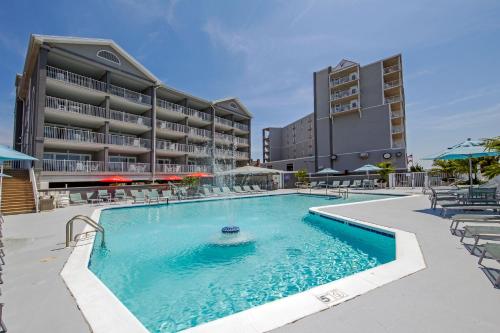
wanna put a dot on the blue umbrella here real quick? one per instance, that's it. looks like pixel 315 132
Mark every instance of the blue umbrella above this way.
pixel 468 149
pixel 327 171
pixel 8 154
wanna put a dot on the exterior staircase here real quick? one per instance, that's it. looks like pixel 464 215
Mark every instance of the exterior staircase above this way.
pixel 17 193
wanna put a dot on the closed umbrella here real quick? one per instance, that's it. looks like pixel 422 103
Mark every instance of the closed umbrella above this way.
pixel 115 179
pixel 468 149
pixel 327 171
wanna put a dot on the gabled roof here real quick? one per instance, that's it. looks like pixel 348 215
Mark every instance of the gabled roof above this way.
pixel 344 63
pixel 237 101
pixel 37 40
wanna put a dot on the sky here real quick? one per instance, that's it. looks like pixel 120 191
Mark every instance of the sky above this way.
pixel 265 53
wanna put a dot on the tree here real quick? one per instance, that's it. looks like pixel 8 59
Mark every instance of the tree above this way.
pixel 416 168
pixel 491 168
pixel 387 168
pixel 302 175
pixel 190 182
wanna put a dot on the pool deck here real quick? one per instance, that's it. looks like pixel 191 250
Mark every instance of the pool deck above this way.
pixel 452 294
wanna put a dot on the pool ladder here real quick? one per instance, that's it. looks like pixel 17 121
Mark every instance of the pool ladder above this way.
pixel 87 220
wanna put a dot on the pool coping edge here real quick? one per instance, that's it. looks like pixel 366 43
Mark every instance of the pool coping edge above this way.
pixel 95 299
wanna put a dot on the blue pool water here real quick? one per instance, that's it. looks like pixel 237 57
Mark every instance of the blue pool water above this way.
pixel 173 270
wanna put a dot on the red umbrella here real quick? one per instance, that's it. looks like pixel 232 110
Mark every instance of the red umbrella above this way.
pixel 172 177
pixel 200 175
pixel 115 179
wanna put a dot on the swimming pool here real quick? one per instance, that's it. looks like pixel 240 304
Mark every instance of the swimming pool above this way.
pixel 167 265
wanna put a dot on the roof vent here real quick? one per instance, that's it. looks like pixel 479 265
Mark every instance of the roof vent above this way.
pixel 109 56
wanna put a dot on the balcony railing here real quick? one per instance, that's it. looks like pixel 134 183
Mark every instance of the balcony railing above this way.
pixel 240 154
pixel 89 83
pixel 344 79
pixel 70 134
pixel 392 84
pixel 395 114
pixel 225 137
pixel 183 109
pixel 342 94
pixel 70 106
pixel 128 167
pixel 223 121
pixel 75 79
pixel 129 94
pixel 241 126
pixel 72 166
pixel 223 152
pixel 182 168
pixel 393 99
pixel 130 118
pixel 200 150
pixel 174 147
pixel 397 129
pixel 199 132
pixel 241 141
pixel 391 69
pixel 344 107
pixel 162 124
pixel 398 145
pixel 130 141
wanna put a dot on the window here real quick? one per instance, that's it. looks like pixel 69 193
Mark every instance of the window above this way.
pixel 289 167
pixel 122 159
pixel 109 56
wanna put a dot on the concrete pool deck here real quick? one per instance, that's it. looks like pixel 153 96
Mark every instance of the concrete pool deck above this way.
pixel 451 294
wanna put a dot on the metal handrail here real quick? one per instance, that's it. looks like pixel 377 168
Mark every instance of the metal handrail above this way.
pixel 89 221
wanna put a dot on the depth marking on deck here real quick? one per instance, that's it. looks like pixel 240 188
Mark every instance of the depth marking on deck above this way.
pixel 332 296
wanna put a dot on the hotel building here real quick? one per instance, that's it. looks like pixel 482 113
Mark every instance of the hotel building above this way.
pixel 86 109
pixel 358 119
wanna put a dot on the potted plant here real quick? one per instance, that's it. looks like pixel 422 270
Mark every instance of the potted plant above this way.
pixel 386 169
pixel 191 183
pixel 302 177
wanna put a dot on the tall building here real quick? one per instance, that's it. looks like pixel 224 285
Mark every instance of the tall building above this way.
pixel 85 109
pixel 292 145
pixel 359 118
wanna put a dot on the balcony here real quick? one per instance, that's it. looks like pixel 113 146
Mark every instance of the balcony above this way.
pixel 398 144
pixel 129 95
pixel 129 141
pixel 75 135
pixel 396 114
pixel 344 108
pixel 128 167
pixel 223 122
pixel 168 126
pixel 65 105
pixel 72 166
pixel 392 69
pixel 397 129
pixel 344 79
pixel 225 138
pixel 241 155
pixel 392 84
pixel 130 118
pixel 75 79
pixel 393 99
pixel 96 85
pixel 174 147
pixel 241 127
pixel 182 168
pixel 241 141
pixel 343 94
pixel 182 110
pixel 199 133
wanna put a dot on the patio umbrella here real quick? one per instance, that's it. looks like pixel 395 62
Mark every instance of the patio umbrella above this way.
pixel 8 154
pixel 172 178
pixel 468 149
pixel 368 168
pixel 115 179
pixel 200 175
pixel 327 171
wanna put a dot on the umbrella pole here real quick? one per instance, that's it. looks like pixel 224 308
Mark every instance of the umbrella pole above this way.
pixel 470 171
pixel 1 186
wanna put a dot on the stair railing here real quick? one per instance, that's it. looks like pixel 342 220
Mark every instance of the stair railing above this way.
pixel 35 189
